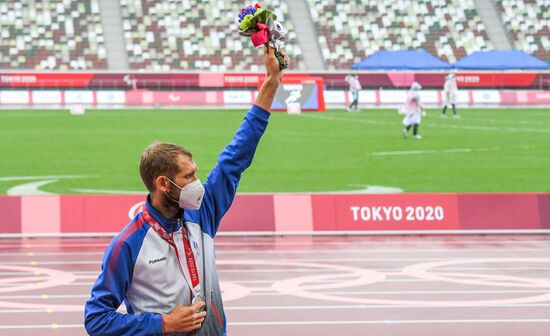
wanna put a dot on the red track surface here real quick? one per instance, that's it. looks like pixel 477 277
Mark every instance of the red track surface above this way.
pixel 422 285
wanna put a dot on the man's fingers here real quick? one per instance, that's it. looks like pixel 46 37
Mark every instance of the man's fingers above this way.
pixel 197 307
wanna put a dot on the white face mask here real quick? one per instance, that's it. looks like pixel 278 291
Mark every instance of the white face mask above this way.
pixel 190 195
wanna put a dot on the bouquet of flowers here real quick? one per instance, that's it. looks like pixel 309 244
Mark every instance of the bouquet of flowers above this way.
pixel 261 25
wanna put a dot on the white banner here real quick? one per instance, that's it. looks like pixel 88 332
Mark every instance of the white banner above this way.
pixel 111 97
pixel 334 97
pixel 429 97
pixel 486 96
pixel 393 96
pixel 79 97
pixel 366 97
pixel 237 97
pixel 46 97
pixel 463 97
pixel 14 97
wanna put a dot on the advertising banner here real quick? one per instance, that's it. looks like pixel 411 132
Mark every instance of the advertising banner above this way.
pixel 307 91
pixel 194 80
pixel 285 213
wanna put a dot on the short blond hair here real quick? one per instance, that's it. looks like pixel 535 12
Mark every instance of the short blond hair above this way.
pixel 160 158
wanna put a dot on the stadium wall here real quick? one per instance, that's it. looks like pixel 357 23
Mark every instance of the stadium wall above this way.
pixel 526 80
pixel 293 213
pixel 229 98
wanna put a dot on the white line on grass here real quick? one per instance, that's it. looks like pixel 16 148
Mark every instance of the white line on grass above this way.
pixel 452 150
pixel 436 151
pixel 396 124
pixel 31 178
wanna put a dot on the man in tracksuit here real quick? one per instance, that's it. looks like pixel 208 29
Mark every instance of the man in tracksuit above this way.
pixel 162 264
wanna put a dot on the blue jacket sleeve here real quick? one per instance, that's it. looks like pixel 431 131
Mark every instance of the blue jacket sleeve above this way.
pixel 109 291
pixel 221 184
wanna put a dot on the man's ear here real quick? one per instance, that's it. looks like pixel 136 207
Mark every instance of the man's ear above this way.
pixel 161 183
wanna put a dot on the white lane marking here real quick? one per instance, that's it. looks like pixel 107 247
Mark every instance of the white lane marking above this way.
pixel 375 306
pixel 335 240
pixel 37 254
pixel 342 292
pixel 255 308
pixel 271 281
pixel 397 250
pixel 41 297
pixel 341 323
pixel 325 259
pixel 42 326
pixel 413 292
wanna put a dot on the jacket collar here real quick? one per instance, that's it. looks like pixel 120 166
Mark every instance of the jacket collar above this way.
pixel 170 225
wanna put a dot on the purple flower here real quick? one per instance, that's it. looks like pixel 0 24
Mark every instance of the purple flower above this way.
pixel 247 10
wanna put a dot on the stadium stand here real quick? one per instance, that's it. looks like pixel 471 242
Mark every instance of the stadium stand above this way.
pixel 528 22
pixel 351 31
pixel 51 35
pixel 194 35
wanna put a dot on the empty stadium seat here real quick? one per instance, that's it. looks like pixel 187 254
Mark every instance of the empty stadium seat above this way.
pixel 51 35
pixel 352 30
pixel 528 24
pixel 196 35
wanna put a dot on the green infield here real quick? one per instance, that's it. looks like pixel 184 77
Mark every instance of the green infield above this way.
pixel 486 150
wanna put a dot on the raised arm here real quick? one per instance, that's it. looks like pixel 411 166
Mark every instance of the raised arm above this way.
pixel 221 184
pixel 274 77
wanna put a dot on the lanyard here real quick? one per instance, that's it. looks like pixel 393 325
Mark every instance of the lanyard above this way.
pixel 189 256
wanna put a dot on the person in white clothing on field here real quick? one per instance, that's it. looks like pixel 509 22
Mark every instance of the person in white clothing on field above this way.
pixel 413 111
pixel 449 95
pixel 354 88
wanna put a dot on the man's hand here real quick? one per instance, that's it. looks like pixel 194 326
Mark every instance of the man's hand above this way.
pixel 272 65
pixel 274 77
pixel 184 319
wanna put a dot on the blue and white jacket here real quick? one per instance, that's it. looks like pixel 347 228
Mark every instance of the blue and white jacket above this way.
pixel 141 269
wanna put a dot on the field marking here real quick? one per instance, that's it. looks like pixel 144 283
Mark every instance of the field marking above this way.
pixel 434 151
pixel 289 323
pixel 397 249
pixel 470 127
pixel 338 292
pixel 41 326
pixel 294 307
pixel 32 178
pixel 371 189
pixel 98 262
pixel 386 322
pixel 337 241
pixel 453 150
pixel 33 188
pixel 419 292
pixel 523 122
